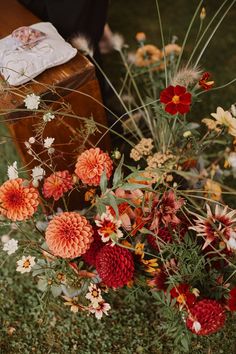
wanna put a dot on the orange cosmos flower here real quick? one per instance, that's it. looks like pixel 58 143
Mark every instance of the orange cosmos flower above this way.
pixel 57 184
pixel 91 164
pixel 69 235
pixel 18 200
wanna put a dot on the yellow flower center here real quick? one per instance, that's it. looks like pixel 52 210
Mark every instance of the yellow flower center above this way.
pixel 95 293
pixel 175 99
pixel 26 264
pixel 181 299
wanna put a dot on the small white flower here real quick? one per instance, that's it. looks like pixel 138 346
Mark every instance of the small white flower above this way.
pixel 48 142
pixel 48 117
pixel 12 171
pixel 196 326
pixel 231 243
pixel 117 41
pixel 11 246
pixel 94 295
pixel 5 238
pixel 25 264
pixel 100 310
pixel 32 101
pixel 37 173
pixel 51 151
pixel 108 228
pixel 31 140
pixel 27 144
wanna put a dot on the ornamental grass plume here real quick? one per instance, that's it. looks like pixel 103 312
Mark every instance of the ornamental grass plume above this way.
pixel 69 235
pixel 18 199
pixel 91 164
pixel 186 76
pixel 115 266
pixel 57 184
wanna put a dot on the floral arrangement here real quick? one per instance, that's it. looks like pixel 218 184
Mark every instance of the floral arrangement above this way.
pixel 157 216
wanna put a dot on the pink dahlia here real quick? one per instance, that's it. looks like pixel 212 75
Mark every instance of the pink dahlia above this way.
pixel 218 225
pixel 115 266
pixel 206 317
pixel 91 164
pixel 57 184
pixel 18 199
pixel 69 235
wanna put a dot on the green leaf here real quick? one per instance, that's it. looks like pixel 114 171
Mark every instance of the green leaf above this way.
pixel 56 290
pixel 103 182
pixel 113 203
pixel 42 284
pixel 118 172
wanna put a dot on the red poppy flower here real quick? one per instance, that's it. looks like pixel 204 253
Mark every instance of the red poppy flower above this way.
pixel 232 299
pixel 176 99
pixel 206 85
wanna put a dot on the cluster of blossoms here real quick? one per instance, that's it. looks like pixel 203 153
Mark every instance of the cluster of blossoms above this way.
pixel 165 228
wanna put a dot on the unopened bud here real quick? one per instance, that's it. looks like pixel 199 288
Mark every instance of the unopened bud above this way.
pixel 203 14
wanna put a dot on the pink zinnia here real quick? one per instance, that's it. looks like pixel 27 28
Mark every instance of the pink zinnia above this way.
pixel 69 235
pixel 91 164
pixel 18 199
pixel 57 184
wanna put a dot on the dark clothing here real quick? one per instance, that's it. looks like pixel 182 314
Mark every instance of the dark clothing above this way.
pixel 70 17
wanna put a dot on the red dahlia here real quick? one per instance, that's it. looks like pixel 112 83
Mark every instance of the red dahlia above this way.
pixel 176 99
pixel 232 299
pixel 115 266
pixel 206 317
pixel 90 256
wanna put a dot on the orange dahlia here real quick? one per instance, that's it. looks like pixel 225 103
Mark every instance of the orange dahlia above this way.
pixel 57 184
pixel 69 235
pixel 18 199
pixel 91 164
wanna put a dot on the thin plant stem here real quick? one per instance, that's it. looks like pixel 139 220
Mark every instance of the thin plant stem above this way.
pixel 203 34
pixel 187 35
pixel 212 34
pixel 162 40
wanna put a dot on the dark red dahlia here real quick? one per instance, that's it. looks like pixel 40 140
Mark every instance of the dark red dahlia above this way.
pixel 232 299
pixel 163 234
pixel 183 295
pixel 115 266
pixel 90 256
pixel 176 99
pixel 206 317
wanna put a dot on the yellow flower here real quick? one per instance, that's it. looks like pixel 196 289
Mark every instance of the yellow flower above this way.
pixel 213 190
pixel 150 264
pixel 139 247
